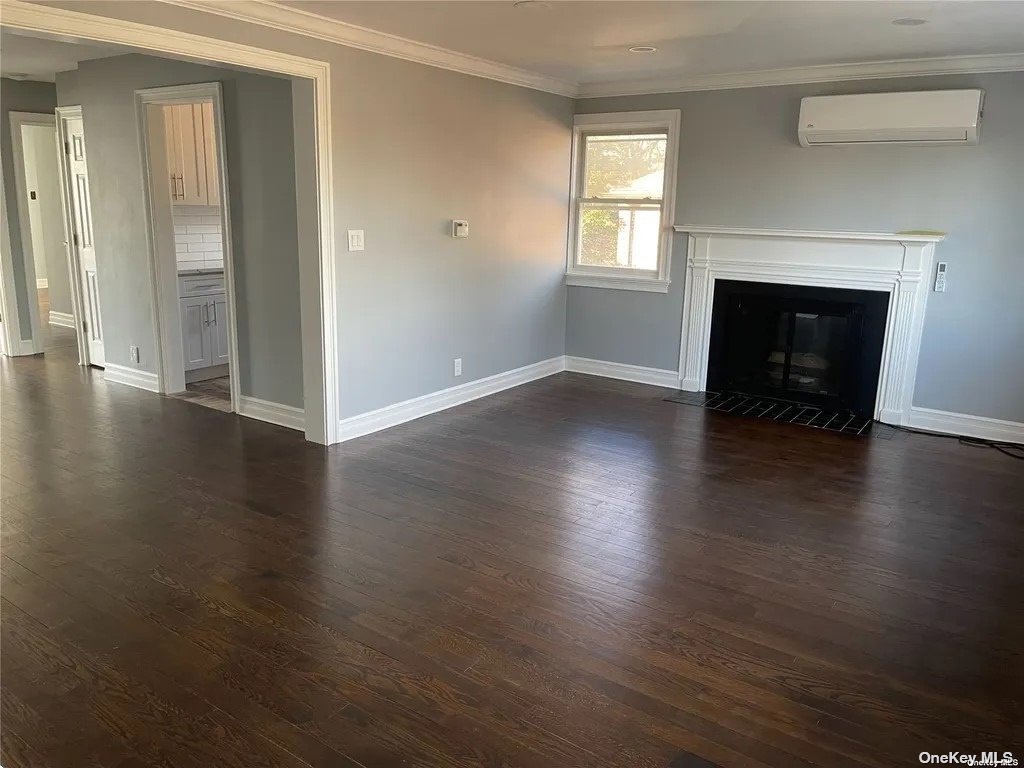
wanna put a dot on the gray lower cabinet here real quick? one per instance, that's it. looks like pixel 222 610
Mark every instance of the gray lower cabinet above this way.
pixel 219 328
pixel 197 341
pixel 204 321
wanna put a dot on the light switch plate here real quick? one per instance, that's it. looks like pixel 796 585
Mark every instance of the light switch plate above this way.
pixel 356 241
pixel 460 228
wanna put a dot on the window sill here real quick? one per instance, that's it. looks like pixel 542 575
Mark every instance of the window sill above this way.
pixel 619 282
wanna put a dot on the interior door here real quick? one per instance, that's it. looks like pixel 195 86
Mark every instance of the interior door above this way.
pixel 81 230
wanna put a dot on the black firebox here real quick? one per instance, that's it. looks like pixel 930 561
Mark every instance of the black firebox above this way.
pixel 805 344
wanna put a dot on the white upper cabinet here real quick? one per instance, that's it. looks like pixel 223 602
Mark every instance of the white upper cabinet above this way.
pixel 192 154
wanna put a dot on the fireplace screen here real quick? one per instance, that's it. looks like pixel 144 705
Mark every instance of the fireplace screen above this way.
pixel 820 346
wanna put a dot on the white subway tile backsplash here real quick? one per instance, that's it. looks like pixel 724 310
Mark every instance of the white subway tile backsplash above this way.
pixel 198 238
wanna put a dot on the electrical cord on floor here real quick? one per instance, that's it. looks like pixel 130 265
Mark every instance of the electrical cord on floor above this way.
pixel 1013 450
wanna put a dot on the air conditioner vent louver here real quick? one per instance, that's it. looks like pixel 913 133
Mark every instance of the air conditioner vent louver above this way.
pixel 921 117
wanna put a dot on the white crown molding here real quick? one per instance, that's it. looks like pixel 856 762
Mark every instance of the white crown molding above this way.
pixel 824 73
pixel 297 21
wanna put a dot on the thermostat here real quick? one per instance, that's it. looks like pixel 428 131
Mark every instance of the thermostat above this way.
pixel 460 228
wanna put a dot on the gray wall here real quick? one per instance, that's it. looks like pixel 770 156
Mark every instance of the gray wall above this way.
pixel 258 123
pixel 415 146
pixel 422 146
pixel 740 165
pixel 28 96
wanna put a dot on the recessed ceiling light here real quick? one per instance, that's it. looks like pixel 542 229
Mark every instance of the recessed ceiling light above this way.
pixel 642 49
pixel 909 22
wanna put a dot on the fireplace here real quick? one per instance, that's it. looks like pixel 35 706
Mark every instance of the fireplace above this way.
pixel 897 265
pixel 804 344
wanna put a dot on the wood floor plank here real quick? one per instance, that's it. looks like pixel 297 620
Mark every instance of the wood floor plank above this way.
pixel 571 573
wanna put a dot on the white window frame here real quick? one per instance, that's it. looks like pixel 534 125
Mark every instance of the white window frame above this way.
pixel 623 278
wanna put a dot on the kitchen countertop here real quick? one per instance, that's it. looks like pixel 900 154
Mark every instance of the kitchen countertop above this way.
pixel 210 271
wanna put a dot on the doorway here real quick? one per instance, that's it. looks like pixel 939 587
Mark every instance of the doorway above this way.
pixel 41 223
pixel 182 133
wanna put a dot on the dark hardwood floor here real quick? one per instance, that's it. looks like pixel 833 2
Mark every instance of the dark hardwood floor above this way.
pixel 571 573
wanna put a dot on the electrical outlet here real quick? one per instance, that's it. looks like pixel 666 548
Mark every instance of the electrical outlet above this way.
pixel 133 353
pixel 458 366
pixel 940 277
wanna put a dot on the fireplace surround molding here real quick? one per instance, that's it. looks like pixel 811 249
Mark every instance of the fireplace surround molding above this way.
pixel 899 264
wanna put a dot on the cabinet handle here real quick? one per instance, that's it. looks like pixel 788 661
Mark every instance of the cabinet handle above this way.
pixel 181 180
pixel 174 187
pixel 214 305
pixel 206 314
pixel 201 287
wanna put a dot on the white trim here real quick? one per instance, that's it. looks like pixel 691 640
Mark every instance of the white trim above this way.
pixel 319 342
pixel 63 319
pixel 658 377
pixel 164 271
pixel 11 341
pixel 824 73
pixel 949 423
pixel 309 24
pixel 407 410
pixel 314 25
pixel 17 120
pixel 122 374
pixel 73 258
pixel 815 234
pixel 624 278
pixel 274 413
pixel 623 282
pixel 42 282
pixel 898 265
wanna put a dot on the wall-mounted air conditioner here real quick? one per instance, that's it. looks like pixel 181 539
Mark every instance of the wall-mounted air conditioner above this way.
pixel 919 117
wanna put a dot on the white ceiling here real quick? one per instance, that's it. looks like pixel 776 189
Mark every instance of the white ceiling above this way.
pixel 586 43
pixel 31 58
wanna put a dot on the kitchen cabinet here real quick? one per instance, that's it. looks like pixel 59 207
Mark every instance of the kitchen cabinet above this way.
pixel 204 320
pixel 192 154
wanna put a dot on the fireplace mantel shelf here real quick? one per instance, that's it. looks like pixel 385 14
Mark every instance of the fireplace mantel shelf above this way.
pixel 891 237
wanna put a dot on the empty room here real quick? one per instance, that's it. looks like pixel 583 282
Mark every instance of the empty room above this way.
pixel 511 383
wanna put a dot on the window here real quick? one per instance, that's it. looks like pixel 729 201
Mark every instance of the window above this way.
pixel 623 187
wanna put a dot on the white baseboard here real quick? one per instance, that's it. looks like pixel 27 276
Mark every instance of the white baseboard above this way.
pixel 133 377
pixel 64 319
pixel 399 413
pixel 949 423
pixel 42 282
pixel 22 348
pixel 659 377
pixel 275 413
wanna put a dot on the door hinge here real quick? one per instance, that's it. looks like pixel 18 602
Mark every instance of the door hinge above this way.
pixel 74 236
pixel 67 148
pixel 85 327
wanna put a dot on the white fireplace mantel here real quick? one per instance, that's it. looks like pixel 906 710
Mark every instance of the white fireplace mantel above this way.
pixel 898 264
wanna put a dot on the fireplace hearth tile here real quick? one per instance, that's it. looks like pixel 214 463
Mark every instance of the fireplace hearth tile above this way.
pixel 782 411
